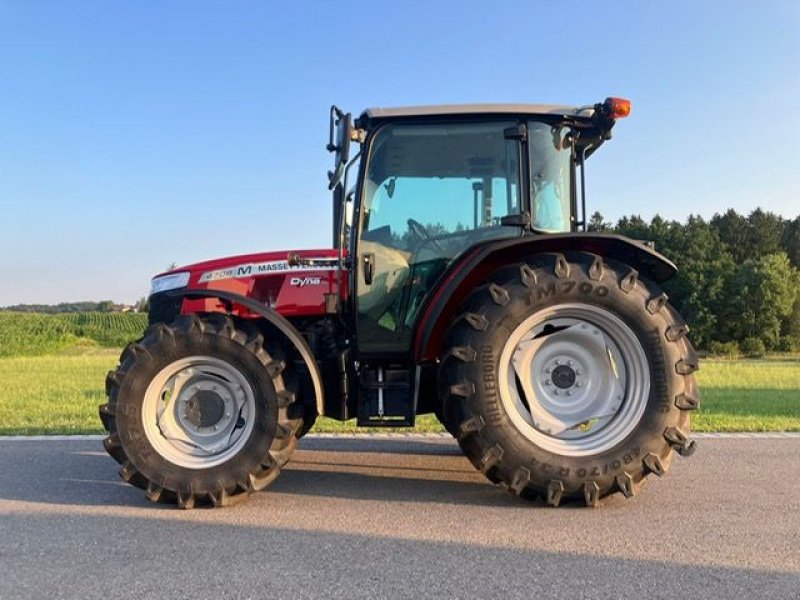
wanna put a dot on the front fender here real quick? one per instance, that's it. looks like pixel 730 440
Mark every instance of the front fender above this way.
pixel 281 323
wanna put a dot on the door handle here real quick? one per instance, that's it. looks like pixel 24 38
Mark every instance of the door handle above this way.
pixel 368 266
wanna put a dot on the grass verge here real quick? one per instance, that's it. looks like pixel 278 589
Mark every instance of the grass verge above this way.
pixel 59 394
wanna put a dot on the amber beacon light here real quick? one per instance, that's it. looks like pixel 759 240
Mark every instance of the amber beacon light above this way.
pixel 617 108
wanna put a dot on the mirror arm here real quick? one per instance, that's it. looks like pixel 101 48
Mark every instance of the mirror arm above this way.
pixel 583 188
pixel 344 264
pixel 343 220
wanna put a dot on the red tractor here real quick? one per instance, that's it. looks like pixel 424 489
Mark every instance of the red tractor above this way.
pixel 461 282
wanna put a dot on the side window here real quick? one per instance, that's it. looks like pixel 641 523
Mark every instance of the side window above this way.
pixel 404 209
pixel 440 181
pixel 551 177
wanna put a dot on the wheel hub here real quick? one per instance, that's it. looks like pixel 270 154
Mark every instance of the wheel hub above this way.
pixel 198 411
pixel 574 379
pixel 564 377
pixel 204 409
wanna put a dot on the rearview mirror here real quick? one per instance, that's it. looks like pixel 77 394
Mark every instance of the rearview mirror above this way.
pixel 339 144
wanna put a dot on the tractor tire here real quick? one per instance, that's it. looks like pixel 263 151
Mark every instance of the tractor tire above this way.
pixel 567 377
pixel 198 412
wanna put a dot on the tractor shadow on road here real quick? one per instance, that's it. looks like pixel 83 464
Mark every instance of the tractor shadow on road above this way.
pixel 398 469
pixel 380 470
pixel 349 485
pixel 387 469
pixel 433 446
pixel 391 470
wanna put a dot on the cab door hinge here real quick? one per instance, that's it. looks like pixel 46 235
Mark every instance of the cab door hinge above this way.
pixel 522 220
pixel 517 132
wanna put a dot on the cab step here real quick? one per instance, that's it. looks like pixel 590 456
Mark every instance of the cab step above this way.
pixel 386 399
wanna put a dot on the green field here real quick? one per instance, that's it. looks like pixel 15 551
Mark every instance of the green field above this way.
pixel 60 393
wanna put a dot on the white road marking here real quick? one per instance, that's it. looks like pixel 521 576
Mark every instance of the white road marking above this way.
pixel 750 435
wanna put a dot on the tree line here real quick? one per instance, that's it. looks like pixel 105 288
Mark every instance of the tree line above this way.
pixel 738 284
pixel 63 307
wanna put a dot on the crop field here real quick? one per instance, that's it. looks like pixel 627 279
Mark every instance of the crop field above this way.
pixel 32 334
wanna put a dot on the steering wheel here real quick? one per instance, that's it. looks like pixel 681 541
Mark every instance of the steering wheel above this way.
pixel 419 231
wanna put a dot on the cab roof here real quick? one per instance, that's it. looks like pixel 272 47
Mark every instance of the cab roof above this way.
pixel 377 113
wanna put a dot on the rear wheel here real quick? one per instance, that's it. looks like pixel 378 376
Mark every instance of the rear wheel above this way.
pixel 569 377
pixel 199 412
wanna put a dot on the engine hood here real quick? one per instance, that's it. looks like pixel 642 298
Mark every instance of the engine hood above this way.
pixel 267 277
pixel 244 266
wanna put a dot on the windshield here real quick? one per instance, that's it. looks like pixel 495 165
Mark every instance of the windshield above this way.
pixel 551 177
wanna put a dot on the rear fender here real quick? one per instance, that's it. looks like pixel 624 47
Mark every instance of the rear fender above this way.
pixel 477 265
pixel 289 331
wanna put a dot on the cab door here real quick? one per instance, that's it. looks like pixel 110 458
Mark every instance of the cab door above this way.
pixel 430 192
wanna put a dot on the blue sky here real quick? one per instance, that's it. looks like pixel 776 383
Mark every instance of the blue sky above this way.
pixel 133 135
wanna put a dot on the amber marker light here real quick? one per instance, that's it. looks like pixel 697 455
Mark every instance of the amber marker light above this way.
pixel 617 108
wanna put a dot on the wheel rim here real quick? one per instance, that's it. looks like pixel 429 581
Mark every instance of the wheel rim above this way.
pixel 198 412
pixel 574 379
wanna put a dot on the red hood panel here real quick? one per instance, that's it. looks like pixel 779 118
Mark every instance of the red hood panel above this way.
pixel 259 257
pixel 267 277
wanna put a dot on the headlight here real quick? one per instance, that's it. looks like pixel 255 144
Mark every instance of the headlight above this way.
pixel 168 282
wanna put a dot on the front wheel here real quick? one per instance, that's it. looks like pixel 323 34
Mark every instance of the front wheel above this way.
pixel 198 412
pixel 569 377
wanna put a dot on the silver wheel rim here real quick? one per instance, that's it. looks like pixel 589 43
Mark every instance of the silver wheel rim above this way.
pixel 574 379
pixel 198 412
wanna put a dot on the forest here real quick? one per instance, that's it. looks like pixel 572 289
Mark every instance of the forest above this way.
pixel 738 284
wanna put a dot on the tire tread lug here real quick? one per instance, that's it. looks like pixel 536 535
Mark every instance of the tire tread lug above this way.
pixel 555 491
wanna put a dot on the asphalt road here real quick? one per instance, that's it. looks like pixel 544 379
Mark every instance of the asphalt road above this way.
pixel 401 518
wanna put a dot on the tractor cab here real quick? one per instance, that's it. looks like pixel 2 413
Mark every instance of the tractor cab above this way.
pixel 434 183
